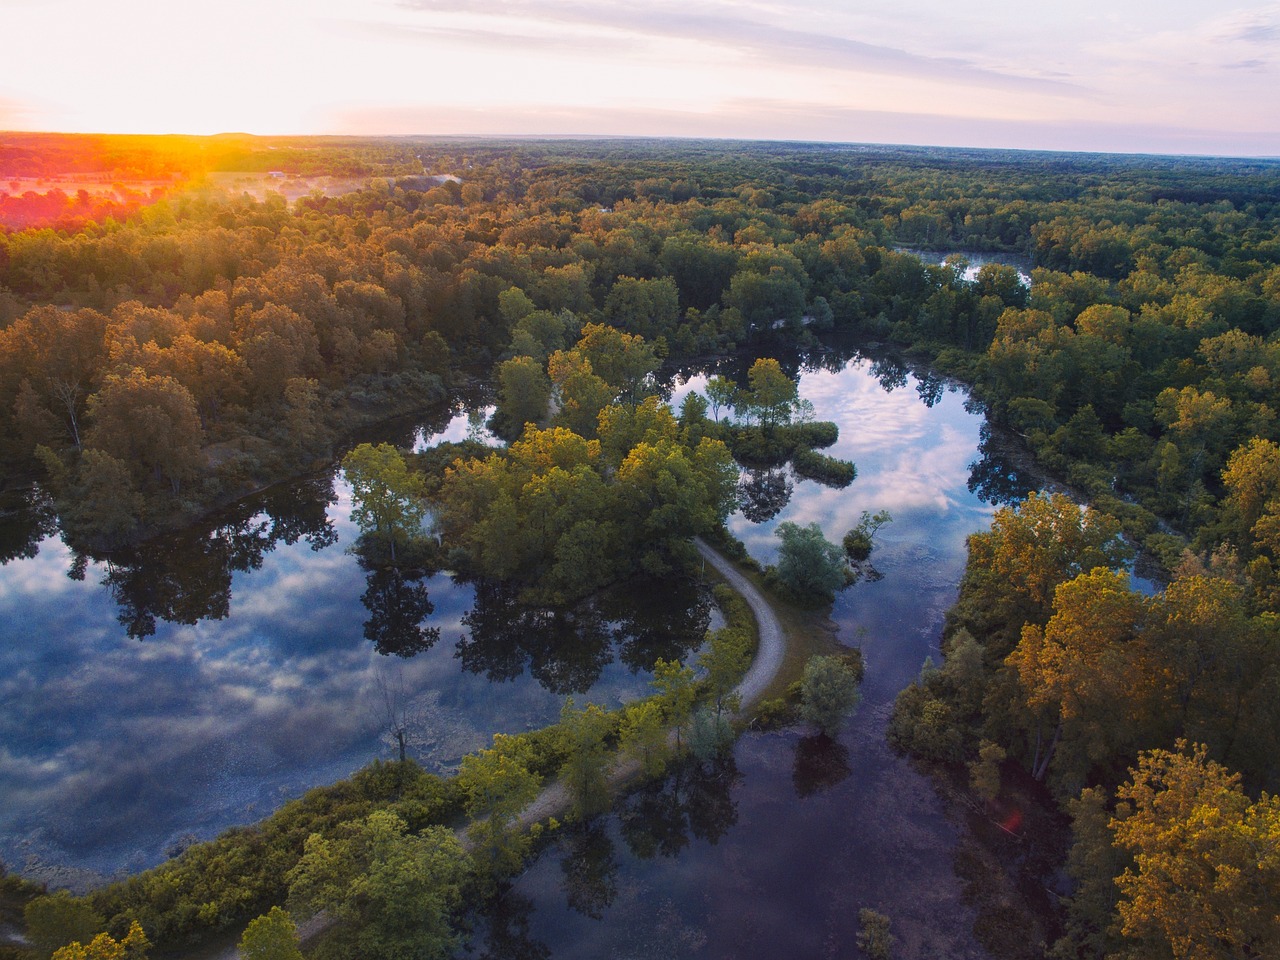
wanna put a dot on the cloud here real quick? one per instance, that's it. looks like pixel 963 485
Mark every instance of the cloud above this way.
pixel 713 24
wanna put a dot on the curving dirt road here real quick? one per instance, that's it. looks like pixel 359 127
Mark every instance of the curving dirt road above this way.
pixel 773 643
pixel 554 799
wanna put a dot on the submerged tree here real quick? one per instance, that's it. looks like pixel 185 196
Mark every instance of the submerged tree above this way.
pixel 828 692
pixel 809 564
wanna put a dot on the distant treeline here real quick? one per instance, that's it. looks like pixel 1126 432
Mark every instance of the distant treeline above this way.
pixel 153 367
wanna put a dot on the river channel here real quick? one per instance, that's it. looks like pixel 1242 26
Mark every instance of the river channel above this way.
pixel 164 696
pixel 775 853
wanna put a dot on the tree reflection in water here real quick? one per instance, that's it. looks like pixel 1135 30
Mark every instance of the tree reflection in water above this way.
pixel 567 649
pixel 657 619
pixel 821 763
pixel 25 520
pixel 186 577
pixel 995 476
pixel 762 493
pixel 693 801
pixel 397 606
pixel 506 930
pixel 590 868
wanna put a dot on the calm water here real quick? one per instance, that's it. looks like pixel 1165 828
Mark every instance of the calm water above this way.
pixel 774 854
pixel 978 260
pixel 200 684
pixel 201 681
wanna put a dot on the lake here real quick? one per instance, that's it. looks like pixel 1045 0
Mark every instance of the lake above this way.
pixel 196 683
pixel 201 681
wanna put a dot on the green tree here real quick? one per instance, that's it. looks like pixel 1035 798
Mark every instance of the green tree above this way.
pixel 387 499
pixel 809 564
pixel 726 659
pixel 585 765
pixel 622 360
pixel 828 692
pixel 772 394
pixel 643 736
pixel 498 786
pixel 580 394
pixel 676 692
pixel 58 919
pixel 721 392
pixel 273 936
pixel 392 894
pixel 710 734
pixel 649 308
pixel 524 394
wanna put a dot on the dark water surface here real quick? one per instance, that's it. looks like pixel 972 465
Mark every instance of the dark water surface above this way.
pixel 774 854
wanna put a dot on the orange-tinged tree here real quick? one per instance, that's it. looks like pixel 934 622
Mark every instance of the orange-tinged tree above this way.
pixel 1015 567
pixel 1205 880
pixel 149 423
pixel 106 947
pixel 1077 674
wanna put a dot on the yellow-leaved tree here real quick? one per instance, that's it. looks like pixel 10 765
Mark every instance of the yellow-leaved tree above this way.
pixel 1205 879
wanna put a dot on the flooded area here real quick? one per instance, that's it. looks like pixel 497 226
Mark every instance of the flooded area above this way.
pixel 164 696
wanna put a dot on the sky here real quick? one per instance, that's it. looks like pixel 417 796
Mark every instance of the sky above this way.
pixel 1131 76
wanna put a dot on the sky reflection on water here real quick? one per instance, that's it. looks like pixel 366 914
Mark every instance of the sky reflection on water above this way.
pixel 807 832
pixel 115 750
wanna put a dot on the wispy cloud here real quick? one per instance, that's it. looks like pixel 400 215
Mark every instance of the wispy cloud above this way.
pixel 716 24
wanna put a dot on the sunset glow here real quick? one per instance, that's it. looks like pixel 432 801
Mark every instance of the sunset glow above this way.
pixel 1128 76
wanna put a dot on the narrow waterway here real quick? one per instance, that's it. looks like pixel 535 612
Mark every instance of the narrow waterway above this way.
pixel 774 853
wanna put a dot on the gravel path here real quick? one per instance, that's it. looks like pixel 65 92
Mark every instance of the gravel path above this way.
pixel 773 644
pixel 554 800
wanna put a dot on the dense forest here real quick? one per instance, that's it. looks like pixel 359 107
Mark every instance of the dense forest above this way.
pixel 174 355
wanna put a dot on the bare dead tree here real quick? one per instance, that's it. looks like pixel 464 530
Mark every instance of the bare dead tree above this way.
pixel 394 700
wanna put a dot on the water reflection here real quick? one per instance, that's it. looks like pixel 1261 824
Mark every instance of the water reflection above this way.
pixel 26 518
pixel 764 492
pixel 821 763
pixel 777 856
pixel 565 650
pixel 186 577
pixel 694 801
pixel 507 933
pixel 590 869
pixel 890 372
pixel 267 650
pixel 398 605
pixel 996 477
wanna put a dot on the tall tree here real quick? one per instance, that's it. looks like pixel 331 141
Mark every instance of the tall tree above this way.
pixel 387 498
pixel 391 893
pixel 498 785
pixel 1205 878
pixel 149 423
